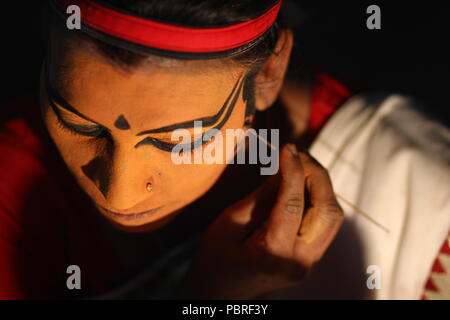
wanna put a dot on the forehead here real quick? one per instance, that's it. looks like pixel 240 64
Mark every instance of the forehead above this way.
pixel 148 96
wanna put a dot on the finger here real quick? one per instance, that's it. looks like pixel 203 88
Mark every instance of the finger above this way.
pixel 323 217
pixel 318 181
pixel 240 219
pixel 286 215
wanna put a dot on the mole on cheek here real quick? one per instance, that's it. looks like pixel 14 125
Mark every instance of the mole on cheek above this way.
pixel 122 123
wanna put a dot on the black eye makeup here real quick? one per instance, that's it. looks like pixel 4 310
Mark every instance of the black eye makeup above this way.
pixel 54 98
pixel 97 131
pixel 87 131
pixel 83 130
pixel 213 122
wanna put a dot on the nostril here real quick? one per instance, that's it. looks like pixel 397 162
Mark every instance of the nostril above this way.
pixel 91 170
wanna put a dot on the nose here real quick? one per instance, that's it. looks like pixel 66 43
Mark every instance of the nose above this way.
pixel 121 178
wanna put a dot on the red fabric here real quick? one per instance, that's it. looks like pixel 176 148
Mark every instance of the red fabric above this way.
pixel 47 222
pixel 169 37
pixel 45 225
pixel 327 96
pixel 433 285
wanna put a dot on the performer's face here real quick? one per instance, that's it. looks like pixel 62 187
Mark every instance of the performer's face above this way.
pixel 97 130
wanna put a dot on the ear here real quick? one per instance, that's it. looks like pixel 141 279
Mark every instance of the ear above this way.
pixel 269 80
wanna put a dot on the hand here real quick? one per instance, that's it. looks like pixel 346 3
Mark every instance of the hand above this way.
pixel 270 239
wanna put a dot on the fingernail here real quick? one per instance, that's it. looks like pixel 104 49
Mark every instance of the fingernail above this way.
pixel 293 150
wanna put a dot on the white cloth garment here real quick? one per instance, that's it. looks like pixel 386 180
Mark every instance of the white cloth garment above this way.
pixel 392 162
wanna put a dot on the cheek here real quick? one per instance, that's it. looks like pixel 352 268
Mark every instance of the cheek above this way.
pixel 194 179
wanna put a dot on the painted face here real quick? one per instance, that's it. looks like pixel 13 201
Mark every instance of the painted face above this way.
pixel 113 128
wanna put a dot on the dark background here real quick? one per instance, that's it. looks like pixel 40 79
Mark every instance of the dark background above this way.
pixel 408 55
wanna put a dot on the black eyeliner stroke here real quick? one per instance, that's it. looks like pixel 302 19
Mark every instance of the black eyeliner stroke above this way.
pixel 98 132
pixel 76 129
pixel 166 146
pixel 207 121
pixel 54 96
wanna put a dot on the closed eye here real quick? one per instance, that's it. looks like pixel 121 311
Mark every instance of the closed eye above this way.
pixel 87 131
pixel 168 146
pixel 83 130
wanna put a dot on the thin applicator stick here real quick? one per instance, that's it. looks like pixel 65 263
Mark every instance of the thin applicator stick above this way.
pixel 365 215
pixel 262 139
pixel 351 205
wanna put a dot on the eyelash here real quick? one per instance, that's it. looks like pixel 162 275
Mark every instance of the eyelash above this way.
pixel 99 133
pixel 95 134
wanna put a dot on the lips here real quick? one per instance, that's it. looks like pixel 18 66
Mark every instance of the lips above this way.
pixel 131 216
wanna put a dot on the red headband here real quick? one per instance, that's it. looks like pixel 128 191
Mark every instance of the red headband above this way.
pixel 169 37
